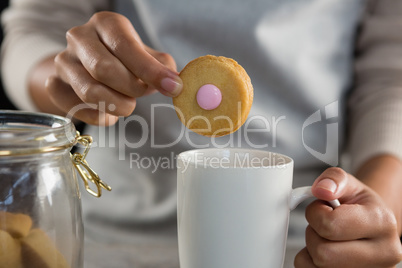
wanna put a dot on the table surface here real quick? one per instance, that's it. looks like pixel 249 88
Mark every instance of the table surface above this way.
pixel 152 255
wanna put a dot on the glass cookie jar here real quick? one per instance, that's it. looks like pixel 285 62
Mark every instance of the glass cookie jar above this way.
pixel 40 205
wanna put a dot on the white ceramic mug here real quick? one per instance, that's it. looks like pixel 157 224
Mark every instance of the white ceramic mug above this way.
pixel 233 207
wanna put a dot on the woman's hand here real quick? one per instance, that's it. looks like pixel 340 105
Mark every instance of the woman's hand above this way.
pixel 105 67
pixel 362 232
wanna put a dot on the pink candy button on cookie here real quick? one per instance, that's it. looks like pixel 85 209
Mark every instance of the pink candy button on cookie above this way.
pixel 209 97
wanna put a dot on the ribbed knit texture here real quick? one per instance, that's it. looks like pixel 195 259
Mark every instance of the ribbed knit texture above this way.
pixel 375 106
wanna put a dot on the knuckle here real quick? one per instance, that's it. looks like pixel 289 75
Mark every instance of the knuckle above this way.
pixel 129 110
pixel 390 252
pixel 324 225
pixel 99 68
pixel 51 81
pixel 118 40
pixel 97 17
pixel 61 58
pixel 386 219
pixel 118 44
pixel 394 254
pixel 298 260
pixel 89 93
pixel 100 16
pixel 391 245
pixel 391 222
pixel 324 255
pixel 165 57
pixel 328 229
pixel 105 17
pixel 397 253
pixel 124 107
pixel 74 34
pixel 51 84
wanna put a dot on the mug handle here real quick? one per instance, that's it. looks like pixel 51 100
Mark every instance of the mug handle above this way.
pixel 300 194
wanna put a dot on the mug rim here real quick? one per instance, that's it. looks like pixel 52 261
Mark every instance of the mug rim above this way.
pixel 288 161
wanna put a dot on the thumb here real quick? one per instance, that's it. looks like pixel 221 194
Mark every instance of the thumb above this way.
pixel 335 183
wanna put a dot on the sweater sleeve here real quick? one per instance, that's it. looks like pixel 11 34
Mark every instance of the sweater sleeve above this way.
pixel 375 104
pixel 35 30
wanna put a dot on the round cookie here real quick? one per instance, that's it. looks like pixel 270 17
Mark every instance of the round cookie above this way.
pixel 10 251
pixel 16 224
pixel 216 97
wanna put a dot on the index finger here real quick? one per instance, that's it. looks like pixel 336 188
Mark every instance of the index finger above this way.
pixel 348 222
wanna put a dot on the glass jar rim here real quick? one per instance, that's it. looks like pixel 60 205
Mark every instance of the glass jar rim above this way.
pixel 25 133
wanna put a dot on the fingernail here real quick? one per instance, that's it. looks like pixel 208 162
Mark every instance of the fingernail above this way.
pixel 327 184
pixel 173 86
